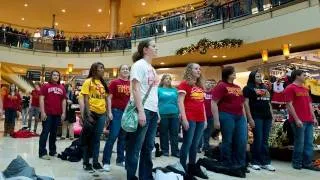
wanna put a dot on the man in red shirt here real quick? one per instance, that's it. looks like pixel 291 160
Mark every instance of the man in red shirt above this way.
pixel 34 107
pixel 302 119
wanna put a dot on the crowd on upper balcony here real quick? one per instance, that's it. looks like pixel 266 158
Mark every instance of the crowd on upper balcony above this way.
pixel 11 36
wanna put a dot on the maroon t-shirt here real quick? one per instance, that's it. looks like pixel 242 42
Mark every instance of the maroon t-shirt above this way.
pixel 53 94
pixel 120 90
pixel 301 100
pixel 35 94
pixel 207 103
pixel 230 98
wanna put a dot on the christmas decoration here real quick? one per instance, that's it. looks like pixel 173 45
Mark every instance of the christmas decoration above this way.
pixel 204 44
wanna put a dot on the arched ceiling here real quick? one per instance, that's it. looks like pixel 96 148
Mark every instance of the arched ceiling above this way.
pixel 79 13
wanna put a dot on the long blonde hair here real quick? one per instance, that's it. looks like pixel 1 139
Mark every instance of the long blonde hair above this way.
pixel 189 77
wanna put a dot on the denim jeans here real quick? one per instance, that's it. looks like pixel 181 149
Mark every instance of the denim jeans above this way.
pixel 24 114
pixel 303 145
pixel 50 125
pixel 234 139
pixel 190 144
pixel 260 150
pixel 95 140
pixel 34 112
pixel 141 142
pixel 169 126
pixel 115 132
pixel 9 121
pixel 204 142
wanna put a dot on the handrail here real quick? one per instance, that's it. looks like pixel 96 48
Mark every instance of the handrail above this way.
pixel 206 15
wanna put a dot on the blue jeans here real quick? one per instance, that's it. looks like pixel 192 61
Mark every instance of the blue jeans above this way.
pixel 141 142
pixel 24 114
pixel 234 139
pixel 303 145
pixel 260 150
pixel 190 144
pixel 95 140
pixel 50 125
pixel 34 112
pixel 115 132
pixel 169 126
pixel 204 142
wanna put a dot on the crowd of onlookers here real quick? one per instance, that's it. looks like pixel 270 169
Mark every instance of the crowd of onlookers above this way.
pixel 13 37
pixel 87 43
pixel 92 43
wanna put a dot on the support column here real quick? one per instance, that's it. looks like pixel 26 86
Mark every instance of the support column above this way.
pixel 114 16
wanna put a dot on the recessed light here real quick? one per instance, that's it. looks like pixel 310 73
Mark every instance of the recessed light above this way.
pixel 89 25
pixel 25 5
pixel 290 44
pixel 162 63
pixel 143 3
pixel 224 56
pixel 214 56
pixel 63 10
pixel 121 23
pixel 56 24
pixel 22 19
pixel 99 10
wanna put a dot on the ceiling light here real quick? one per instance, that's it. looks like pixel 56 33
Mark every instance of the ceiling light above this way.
pixel 143 3
pixel 214 56
pixel 121 23
pixel 89 25
pixel 63 10
pixel 56 24
pixel 22 19
pixel 99 10
pixel 162 63
pixel 25 5
pixel 224 56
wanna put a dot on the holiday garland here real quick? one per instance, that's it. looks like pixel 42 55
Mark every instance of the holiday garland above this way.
pixel 204 44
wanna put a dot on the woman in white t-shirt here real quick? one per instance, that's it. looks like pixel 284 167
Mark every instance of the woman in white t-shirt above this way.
pixel 143 76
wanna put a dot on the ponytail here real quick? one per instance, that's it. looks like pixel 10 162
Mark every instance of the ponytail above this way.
pixel 136 56
pixel 139 53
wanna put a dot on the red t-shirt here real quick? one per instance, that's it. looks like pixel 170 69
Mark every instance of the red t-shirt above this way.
pixel 207 103
pixel 12 102
pixel 35 94
pixel 193 102
pixel 230 98
pixel 120 90
pixel 301 100
pixel 53 94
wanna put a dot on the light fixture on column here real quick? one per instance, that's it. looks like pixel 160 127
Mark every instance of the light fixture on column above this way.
pixel 265 56
pixel 286 50
pixel 114 72
pixel 70 68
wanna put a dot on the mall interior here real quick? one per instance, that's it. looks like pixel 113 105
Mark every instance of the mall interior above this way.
pixel 37 37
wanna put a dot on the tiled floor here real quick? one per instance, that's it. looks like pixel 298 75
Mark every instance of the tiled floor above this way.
pixel 62 170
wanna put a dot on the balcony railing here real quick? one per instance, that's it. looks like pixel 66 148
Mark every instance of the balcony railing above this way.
pixel 206 15
pixel 64 46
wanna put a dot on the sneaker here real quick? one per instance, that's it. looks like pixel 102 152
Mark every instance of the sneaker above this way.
pixel 106 167
pixel 298 167
pixel 255 167
pixel 52 154
pixel 121 164
pixel 45 157
pixel 268 167
pixel 88 167
pixel 97 166
pixel 62 138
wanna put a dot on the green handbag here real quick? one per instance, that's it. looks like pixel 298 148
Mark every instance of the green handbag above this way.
pixel 129 120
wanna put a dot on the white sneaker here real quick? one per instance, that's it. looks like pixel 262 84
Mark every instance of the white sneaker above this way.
pixel 268 167
pixel 255 167
pixel 122 164
pixel 106 167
